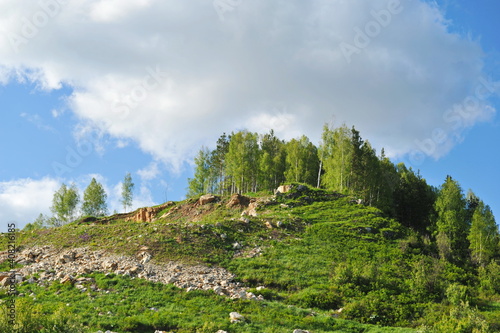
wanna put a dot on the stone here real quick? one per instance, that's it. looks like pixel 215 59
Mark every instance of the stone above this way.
pixel 238 200
pixel 206 199
pixel 244 220
pixel 67 278
pixel 283 189
pixel 146 257
pixel 251 210
pixel 235 317
pixel 109 265
pixel 300 331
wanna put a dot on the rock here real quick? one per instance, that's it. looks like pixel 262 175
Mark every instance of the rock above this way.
pixel 206 199
pixel 251 210
pixel 283 189
pixel 221 331
pixel 268 225
pixel 301 188
pixel 146 257
pixel 235 317
pixel 244 220
pixel 147 214
pixel 238 200
pixel 236 246
pixel 67 278
pixel 110 265
pixel 300 331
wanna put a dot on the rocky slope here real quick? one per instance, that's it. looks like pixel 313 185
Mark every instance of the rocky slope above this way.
pixel 46 264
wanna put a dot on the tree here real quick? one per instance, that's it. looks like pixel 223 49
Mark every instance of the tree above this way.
pixel 94 200
pixel 40 222
pixel 483 235
pixel 201 183
pixel 336 152
pixel 218 163
pixel 302 161
pixel 413 199
pixel 272 161
pixel 64 205
pixel 451 224
pixel 242 161
pixel 127 188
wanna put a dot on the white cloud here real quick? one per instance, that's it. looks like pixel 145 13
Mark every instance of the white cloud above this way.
pixel 22 200
pixel 150 172
pixel 36 120
pixel 175 75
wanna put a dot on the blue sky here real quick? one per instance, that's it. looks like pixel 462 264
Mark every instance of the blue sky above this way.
pixel 99 88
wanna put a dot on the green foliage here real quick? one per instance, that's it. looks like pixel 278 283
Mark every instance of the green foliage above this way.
pixel 64 205
pixel 134 305
pixel 40 222
pixel 202 182
pixel 31 317
pixel 413 199
pixel 127 192
pixel 242 161
pixel 302 161
pixel 484 235
pixel 452 228
pixel 94 200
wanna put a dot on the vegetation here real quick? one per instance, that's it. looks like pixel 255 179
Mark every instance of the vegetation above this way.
pixel 407 255
pixel 127 191
pixel 94 200
pixel 64 204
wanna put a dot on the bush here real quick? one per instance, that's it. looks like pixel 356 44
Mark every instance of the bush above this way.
pixel 317 296
pixel 30 318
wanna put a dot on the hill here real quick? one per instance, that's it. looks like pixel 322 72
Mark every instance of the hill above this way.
pixel 302 259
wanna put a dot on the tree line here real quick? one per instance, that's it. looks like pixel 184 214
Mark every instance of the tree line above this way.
pixel 462 226
pixel 66 201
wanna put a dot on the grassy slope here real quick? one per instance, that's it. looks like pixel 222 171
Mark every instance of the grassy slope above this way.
pixel 328 253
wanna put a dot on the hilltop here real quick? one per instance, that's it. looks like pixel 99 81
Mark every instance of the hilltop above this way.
pixel 303 258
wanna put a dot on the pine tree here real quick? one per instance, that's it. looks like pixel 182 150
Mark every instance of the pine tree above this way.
pixel 94 200
pixel 127 191
pixel 413 199
pixel 452 228
pixel 64 205
pixel 484 235
pixel 218 164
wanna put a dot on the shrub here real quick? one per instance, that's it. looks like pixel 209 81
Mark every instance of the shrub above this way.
pixel 317 296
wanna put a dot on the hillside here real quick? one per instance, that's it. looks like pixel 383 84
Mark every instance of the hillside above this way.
pixel 306 259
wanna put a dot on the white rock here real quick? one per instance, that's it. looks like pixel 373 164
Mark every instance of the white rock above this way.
pixel 235 317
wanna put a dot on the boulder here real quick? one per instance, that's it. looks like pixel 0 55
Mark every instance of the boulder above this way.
pixel 206 199
pixel 238 200
pixel 283 189
pixel 235 317
pixel 251 210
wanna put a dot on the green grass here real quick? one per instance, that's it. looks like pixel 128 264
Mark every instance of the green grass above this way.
pixel 134 305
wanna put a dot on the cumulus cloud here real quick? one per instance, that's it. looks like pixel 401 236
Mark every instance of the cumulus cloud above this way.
pixel 174 75
pixel 22 200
